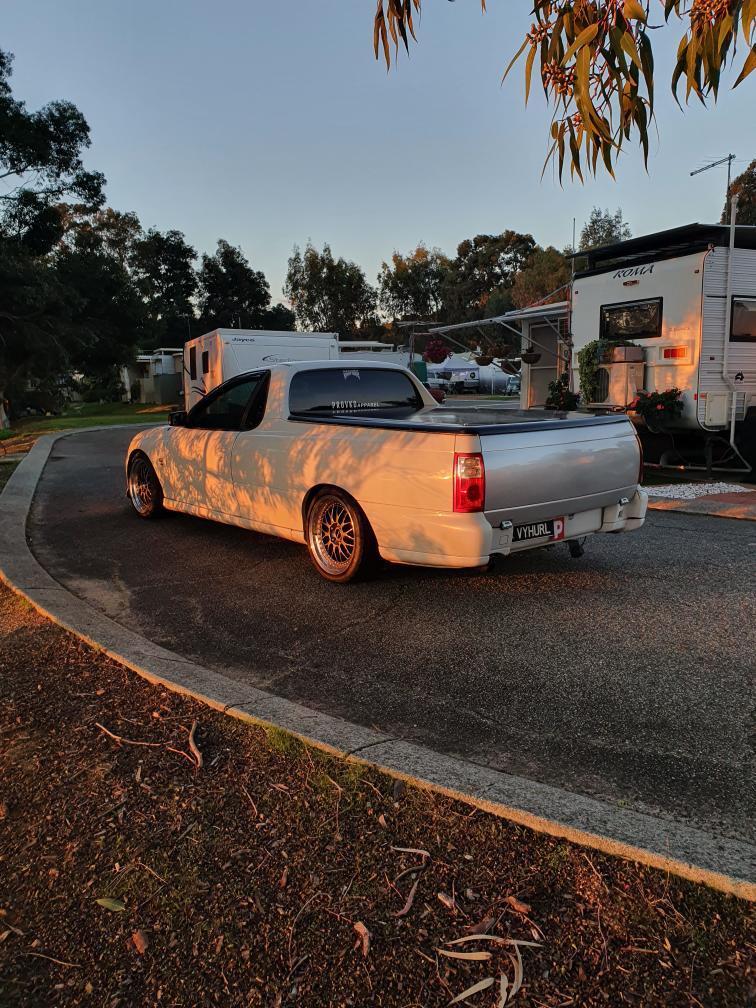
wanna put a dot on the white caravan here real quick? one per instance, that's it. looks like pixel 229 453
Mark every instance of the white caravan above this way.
pixel 213 358
pixel 693 325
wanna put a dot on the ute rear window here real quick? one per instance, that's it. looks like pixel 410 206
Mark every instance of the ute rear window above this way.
pixel 347 391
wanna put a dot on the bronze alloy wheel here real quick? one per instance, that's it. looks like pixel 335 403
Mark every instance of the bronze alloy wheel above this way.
pixel 144 488
pixel 338 536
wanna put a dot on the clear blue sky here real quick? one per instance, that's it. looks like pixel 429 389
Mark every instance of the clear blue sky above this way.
pixel 270 123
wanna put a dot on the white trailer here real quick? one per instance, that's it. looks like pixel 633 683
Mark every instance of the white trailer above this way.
pixel 221 354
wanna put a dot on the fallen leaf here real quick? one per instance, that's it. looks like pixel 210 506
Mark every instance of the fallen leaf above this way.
pixel 140 942
pixel 284 878
pixel 518 905
pixel 468 956
pixel 448 901
pixel 88 988
pixel 475 989
pixel 481 927
pixel 382 820
pixel 363 938
pixel 412 850
pixel 111 904
pixel 408 905
pixel 218 944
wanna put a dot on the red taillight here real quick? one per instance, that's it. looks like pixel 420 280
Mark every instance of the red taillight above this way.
pixel 469 482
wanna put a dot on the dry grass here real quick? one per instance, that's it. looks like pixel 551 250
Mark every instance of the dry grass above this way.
pixel 134 873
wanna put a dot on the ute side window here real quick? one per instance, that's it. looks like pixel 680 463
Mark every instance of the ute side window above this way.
pixel 631 320
pixel 743 324
pixel 233 407
pixel 353 391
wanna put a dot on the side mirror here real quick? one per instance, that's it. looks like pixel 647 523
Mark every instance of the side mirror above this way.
pixel 177 418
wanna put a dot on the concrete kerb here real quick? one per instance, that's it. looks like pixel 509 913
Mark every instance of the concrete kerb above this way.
pixel 721 863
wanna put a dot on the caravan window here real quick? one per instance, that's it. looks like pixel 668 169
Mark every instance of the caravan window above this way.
pixel 743 325
pixel 632 320
pixel 205 361
pixel 193 363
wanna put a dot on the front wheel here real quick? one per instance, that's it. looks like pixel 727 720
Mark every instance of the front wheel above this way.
pixel 339 538
pixel 144 490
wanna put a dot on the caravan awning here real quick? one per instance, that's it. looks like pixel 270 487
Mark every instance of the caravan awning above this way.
pixel 554 312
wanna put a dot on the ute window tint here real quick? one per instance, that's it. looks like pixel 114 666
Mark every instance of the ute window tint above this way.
pixel 743 326
pixel 227 410
pixel 632 320
pixel 348 391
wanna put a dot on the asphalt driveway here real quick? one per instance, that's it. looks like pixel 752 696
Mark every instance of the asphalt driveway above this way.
pixel 627 675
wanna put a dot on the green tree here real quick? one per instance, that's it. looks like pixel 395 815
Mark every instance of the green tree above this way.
pixel 104 230
pixel 744 187
pixel 105 314
pixel 603 228
pixel 41 165
pixel 232 294
pixel 412 286
pixel 596 64
pixel 162 265
pixel 280 318
pixel 546 271
pixel 484 269
pixel 327 294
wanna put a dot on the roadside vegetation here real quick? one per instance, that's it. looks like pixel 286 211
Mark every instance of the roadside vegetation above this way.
pixel 6 469
pixel 157 852
pixel 23 433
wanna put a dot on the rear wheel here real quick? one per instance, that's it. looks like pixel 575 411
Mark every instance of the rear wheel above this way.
pixel 339 538
pixel 144 490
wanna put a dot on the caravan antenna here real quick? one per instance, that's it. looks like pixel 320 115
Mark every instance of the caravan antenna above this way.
pixel 729 159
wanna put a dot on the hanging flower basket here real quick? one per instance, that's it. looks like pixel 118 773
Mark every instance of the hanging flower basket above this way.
pixel 508 367
pixel 483 360
pixel 436 351
pixel 530 356
pixel 501 349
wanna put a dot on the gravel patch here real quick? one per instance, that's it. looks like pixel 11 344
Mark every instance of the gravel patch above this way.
pixel 689 491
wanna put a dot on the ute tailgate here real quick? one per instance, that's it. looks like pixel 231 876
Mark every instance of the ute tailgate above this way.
pixel 539 471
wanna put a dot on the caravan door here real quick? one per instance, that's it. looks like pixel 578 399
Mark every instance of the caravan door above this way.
pixel 545 371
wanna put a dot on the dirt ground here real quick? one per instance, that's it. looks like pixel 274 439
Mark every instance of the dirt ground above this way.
pixel 143 863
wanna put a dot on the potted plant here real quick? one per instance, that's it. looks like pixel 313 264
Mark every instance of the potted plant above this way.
pixel 436 351
pixel 658 409
pixel 530 356
pixel 560 395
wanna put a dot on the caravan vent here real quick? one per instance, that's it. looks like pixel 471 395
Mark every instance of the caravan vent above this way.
pixel 602 384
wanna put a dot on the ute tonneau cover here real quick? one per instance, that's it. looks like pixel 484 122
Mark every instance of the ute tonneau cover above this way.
pixel 464 420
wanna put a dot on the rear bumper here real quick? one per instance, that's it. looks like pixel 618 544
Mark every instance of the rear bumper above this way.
pixel 619 517
pixel 469 540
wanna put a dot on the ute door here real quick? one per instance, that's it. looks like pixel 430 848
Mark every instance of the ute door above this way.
pixel 196 465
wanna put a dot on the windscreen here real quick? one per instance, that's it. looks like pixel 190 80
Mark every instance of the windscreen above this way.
pixel 353 391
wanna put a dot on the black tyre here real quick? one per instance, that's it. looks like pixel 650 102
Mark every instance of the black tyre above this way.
pixel 143 487
pixel 339 539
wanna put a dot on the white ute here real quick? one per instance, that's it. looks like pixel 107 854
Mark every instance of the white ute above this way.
pixel 359 461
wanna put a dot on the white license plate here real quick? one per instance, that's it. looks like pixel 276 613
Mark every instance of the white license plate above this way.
pixel 552 529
